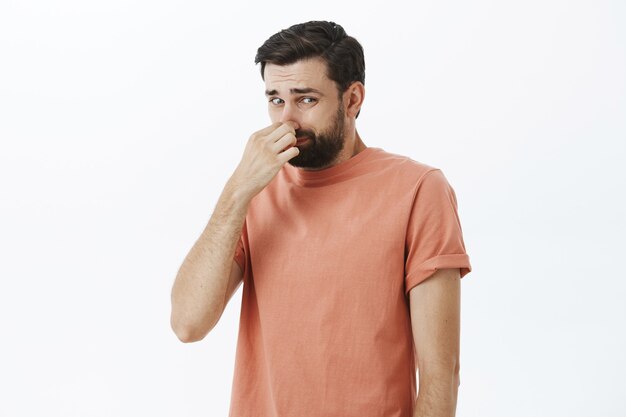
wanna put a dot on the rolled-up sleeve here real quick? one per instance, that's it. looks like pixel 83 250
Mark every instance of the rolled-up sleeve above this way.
pixel 434 238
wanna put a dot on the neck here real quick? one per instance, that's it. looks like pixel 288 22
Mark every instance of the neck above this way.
pixel 357 144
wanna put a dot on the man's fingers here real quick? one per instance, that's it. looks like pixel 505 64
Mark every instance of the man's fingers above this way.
pixel 287 154
pixel 284 142
pixel 267 130
pixel 280 132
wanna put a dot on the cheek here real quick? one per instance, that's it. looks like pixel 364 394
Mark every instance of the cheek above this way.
pixel 320 121
pixel 274 114
pixel 314 116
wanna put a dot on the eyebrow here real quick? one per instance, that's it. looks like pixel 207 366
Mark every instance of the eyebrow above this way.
pixel 296 91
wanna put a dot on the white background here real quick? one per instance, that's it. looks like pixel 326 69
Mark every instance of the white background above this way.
pixel 120 122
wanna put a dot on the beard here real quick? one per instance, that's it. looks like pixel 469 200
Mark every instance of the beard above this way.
pixel 322 149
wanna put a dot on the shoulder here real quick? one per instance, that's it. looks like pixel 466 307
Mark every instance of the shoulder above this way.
pixel 403 166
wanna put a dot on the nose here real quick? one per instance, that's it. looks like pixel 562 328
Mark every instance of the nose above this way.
pixel 289 116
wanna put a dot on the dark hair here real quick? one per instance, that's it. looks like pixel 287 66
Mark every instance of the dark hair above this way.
pixel 342 54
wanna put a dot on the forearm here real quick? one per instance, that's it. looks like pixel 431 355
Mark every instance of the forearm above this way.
pixel 201 283
pixel 437 396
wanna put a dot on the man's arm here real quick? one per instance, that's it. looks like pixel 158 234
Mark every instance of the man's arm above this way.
pixel 202 285
pixel 204 280
pixel 435 320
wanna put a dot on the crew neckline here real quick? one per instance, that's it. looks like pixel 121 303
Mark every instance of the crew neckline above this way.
pixel 330 175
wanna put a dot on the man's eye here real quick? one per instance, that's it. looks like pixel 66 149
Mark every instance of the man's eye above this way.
pixel 309 98
pixel 272 100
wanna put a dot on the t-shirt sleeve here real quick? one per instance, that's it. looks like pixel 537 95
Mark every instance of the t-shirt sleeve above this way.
pixel 434 237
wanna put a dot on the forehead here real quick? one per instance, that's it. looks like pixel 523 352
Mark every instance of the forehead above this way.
pixel 303 73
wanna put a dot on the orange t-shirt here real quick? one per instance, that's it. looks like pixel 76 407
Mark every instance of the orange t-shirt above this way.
pixel 329 258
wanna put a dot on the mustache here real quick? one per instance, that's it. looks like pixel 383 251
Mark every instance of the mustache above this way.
pixel 302 133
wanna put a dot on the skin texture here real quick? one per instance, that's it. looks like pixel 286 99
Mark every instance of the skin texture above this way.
pixel 327 121
pixel 435 321
pixel 209 275
pixel 201 289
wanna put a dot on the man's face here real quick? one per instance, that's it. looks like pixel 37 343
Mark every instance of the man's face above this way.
pixel 301 93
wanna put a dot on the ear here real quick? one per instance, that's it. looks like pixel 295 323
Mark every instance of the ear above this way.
pixel 353 98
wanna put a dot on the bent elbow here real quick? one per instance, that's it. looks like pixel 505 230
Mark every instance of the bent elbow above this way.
pixel 189 334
